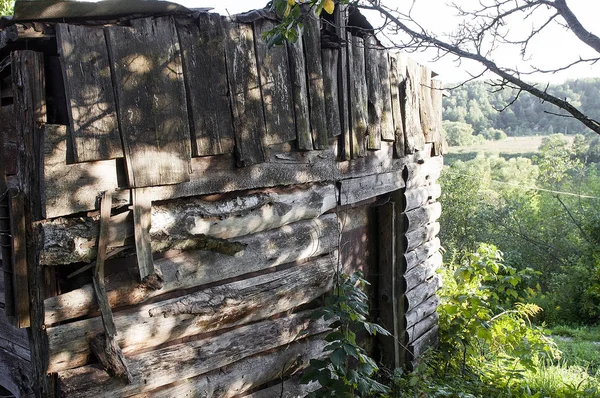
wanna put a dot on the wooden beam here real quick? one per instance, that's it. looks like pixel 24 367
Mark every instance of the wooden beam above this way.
pixel 330 59
pixel 426 287
pixel 428 119
pixel 422 253
pixel 398 100
pixel 420 216
pixel 440 146
pixel 358 95
pixel 422 311
pixel 421 235
pixel 414 139
pixel 290 388
pixel 343 84
pixel 19 259
pixel 417 330
pixel 387 119
pixel 300 94
pixel 419 276
pixel 422 196
pixel 142 219
pixel 424 173
pixel 374 93
pixel 356 189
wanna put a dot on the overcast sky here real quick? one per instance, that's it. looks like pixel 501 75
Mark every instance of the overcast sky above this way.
pixel 556 48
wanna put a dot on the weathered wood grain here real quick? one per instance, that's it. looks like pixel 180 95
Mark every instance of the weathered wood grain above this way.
pixel 421 253
pixel 420 216
pixel 374 93
pixel 356 189
pixel 427 116
pixel 16 375
pixel 426 289
pixel 414 138
pixel 427 341
pixel 421 235
pixel 6 283
pixel 440 146
pixel 207 310
pixel 246 102
pixel 290 388
pixel 90 96
pixel 20 286
pixel 422 196
pixel 12 339
pixel 167 365
pixel 9 140
pixel 247 374
pixel 417 277
pixel 398 100
pixel 300 94
pixel 387 118
pixel 416 331
pixel 330 58
pixel 203 53
pixel 314 73
pixel 344 143
pixel 275 87
pixel 151 101
pixel 142 220
pixel 425 173
pixel 422 311
pixel 298 241
pixel 358 96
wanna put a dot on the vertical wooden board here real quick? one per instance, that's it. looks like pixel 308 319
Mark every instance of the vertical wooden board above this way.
pixel 396 82
pixel 19 259
pixel 374 89
pixel 88 87
pixel 275 87
pixel 440 146
pixel 246 102
pixel 203 54
pixel 300 94
pixel 151 100
pixel 7 124
pixel 314 72
pixel 344 142
pixel 358 96
pixel 142 218
pixel 387 118
pixel 414 138
pixel 330 83
pixel 426 105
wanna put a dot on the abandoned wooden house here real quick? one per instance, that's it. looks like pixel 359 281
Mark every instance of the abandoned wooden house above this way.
pixel 176 197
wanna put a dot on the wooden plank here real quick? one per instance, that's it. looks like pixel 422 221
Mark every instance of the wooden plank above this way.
pixel 290 388
pixel 16 375
pixel 249 373
pixel 428 323
pixel 157 368
pixel 7 121
pixel 275 87
pixel 374 93
pixel 12 339
pixel 426 289
pixel 6 283
pixel 440 146
pixel 418 276
pixel 428 119
pixel 422 196
pixel 244 86
pixel 420 216
pixel 421 235
pixel 421 311
pixel 207 310
pixel 314 72
pixel 414 138
pixel 88 86
pixel 356 189
pixel 398 100
pixel 263 251
pixel 387 118
pixel 330 59
pixel 422 253
pixel 151 101
pixel 183 223
pixel 300 94
pixel 343 90
pixel 204 66
pixel 142 219
pixel 425 342
pixel 358 96
pixel 72 188
pixel 425 173
pixel 19 259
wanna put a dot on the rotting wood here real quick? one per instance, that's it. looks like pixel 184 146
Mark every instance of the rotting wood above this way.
pixel 358 96
pixel 12 339
pixel 417 277
pixel 188 223
pixel 374 93
pixel 148 75
pixel 420 216
pixel 300 94
pixel 290 388
pixel 421 235
pixel 264 250
pixel 427 116
pixel 275 87
pixel 398 100
pixel 203 54
pixel 422 311
pixel 426 173
pixel 21 300
pixel 427 341
pixel 90 97
pixel 246 374
pixel 314 74
pixel 207 310
pixel 330 59
pixel 142 220
pixel 440 146
pixel 416 331
pixel 414 138
pixel 422 253
pixel 427 289
pixel 244 86
pixel 387 118
pixel 422 196
pixel 16 375
pixel 153 369
pixel 345 152
pixel 6 282
pixel 356 189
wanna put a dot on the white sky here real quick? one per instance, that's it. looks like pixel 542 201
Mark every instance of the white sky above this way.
pixel 555 48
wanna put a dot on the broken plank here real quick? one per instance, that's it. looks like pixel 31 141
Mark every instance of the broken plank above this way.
pixel 275 87
pixel 207 310
pixel 204 66
pixel 244 85
pixel 356 189
pixel 358 96
pixel 300 94
pixel 330 58
pixel 398 100
pixel 90 96
pixel 374 93
pixel 20 286
pixel 151 101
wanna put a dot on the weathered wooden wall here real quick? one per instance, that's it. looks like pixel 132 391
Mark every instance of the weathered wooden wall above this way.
pixel 240 179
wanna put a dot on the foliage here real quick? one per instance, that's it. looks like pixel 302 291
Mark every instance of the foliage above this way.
pixel 347 371
pixel 458 133
pixel 7 7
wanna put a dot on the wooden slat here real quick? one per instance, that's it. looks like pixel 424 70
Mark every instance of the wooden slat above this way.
pixel 151 99
pixel 440 146
pixel 330 58
pixel 374 93
pixel 357 189
pixel 428 119
pixel 275 87
pixel 19 259
pixel 358 96
pixel 88 86
pixel 414 138
pixel 142 213
pixel 300 94
pixel 343 94
pixel 387 119
pixel 314 72
pixel 154 369
pixel 244 86
pixel 204 311
pixel 203 53
pixel 398 99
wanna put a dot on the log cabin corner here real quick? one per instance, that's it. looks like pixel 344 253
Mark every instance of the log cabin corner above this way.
pixel 175 198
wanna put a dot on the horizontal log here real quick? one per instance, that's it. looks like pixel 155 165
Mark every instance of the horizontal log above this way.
pixel 154 369
pixel 422 196
pixel 416 331
pixel 423 272
pixel 421 235
pixel 290 388
pixel 423 291
pixel 356 189
pixel 207 310
pixel 421 253
pixel 183 224
pixel 297 241
pixel 421 311
pixel 422 215
pixel 425 173
pixel 428 340
pixel 244 375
